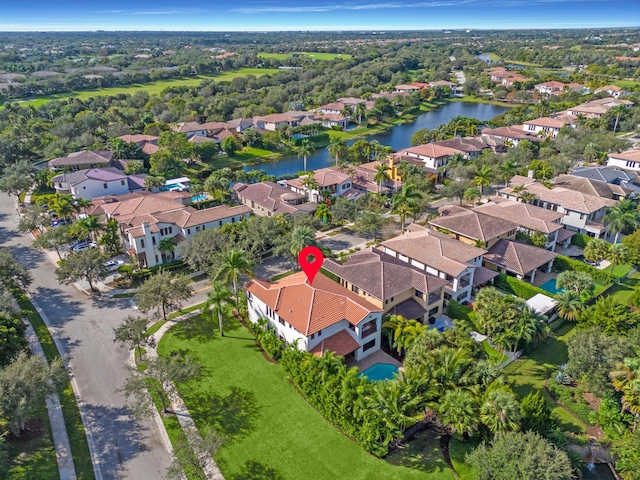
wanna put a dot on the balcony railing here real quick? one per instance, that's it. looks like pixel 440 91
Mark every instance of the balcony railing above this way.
pixel 368 331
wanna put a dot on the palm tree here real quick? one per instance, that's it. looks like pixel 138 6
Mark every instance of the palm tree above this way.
pixel 301 237
pixel 471 194
pixel 304 150
pixel 360 111
pixel 596 250
pixel 118 146
pixel 382 175
pixel 457 410
pixel 337 148
pixel 591 151
pixel 507 170
pixel 216 300
pixel 151 182
pixel 310 183
pixel 346 112
pixel 500 411
pixel 483 177
pixel 235 263
pixel 166 246
pixel 323 213
pixel 625 380
pixel 89 225
pixel 62 205
pixel 196 189
pixel 568 304
pixel 618 254
pixel 405 202
pixel 621 217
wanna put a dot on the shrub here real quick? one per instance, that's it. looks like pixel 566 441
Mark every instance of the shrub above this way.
pixel 517 287
pixel 580 240
pixel 562 263
pixel 457 311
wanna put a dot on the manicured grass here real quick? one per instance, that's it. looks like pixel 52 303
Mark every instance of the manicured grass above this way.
pixel 494 57
pixel 624 290
pixel 154 87
pixel 530 372
pixel 72 418
pixel 271 428
pixel 620 270
pixel 526 64
pixel 471 99
pixel 250 153
pixel 626 83
pixel 35 458
pixel 314 55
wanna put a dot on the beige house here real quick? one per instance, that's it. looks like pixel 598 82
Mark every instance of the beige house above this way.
pixel 391 284
pixel 268 198
pixel 518 259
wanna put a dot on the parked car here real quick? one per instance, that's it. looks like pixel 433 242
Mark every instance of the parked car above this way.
pixel 60 221
pixel 112 265
pixel 84 246
pixel 77 243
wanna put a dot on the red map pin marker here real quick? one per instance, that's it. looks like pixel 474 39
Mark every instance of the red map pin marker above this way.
pixel 310 268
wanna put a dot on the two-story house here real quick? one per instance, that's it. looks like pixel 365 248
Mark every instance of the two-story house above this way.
pixel 621 183
pixel 319 317
pixel 549 126
pixel 627 160
pixel 147 143
pixel 395 286
pixel 146 218
pixel 510 136
pixel 529 219
pixel 268 198
pixel 581 212
pixel 442 256
pixel 83 160
pixel 190 129
pixel 549 88
pixel 433 156
pixel 97 182
pixel 327 180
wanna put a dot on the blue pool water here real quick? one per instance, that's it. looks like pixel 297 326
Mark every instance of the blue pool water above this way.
pixel 198 198
pixel 380 371
pixel 550 286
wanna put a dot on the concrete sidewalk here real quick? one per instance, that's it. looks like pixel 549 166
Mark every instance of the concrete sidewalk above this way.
pixel 58 429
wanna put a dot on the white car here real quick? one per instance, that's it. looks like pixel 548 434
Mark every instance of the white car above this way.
pixel 84 246
pixel 112 265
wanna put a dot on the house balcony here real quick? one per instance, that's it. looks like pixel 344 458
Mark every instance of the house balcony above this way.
pixel 433 298
pixel 366 332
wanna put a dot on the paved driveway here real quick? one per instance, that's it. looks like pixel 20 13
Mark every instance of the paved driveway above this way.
pixel 83 327
pixel 345 241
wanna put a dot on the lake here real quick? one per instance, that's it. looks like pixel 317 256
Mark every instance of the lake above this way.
pixel 398 137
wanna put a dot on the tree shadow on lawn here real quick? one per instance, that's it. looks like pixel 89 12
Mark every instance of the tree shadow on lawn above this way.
pixel 204 328
pixel 233 415
pixel 423 453
pixel 257 471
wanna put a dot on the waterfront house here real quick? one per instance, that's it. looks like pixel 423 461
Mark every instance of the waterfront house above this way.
pixel 97 182
pixel 268 198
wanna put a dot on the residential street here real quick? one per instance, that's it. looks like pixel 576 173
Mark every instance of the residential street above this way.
pixel 83 327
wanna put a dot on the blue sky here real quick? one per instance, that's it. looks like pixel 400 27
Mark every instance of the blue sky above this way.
pixel 243 15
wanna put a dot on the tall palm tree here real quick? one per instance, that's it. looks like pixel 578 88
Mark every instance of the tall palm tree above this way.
pixel 337 148
pixel 621 217
pixel 311 184
pixel 302 236
pixel 625 379
pixel 457 410
pixel 304 150
pixel 500 411
pixel 89 225
pixel 596 250
pixel 166 246
pixel 62 205
pixel 618 254
pixel 568 305
pixel 471 194
pixel 507 170
pixel 483 177
pixel 217 298
pixel 360 111
pixel 323 213
pixel 405 202
pixel 382 175
pixel 235 264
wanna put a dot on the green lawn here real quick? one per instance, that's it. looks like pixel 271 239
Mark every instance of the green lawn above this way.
pixel 620 270
pixel 272 430
pixel 626 83
pixel 314 55
pixel 623 291
pixel 518 62
pixel 35 458
pixel 530 372
pixel 72 419
pixel 494 57
pixel 153 87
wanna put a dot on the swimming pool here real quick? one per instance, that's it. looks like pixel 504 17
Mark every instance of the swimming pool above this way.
pixel 380 371
pixel 550 286
pixel 198 198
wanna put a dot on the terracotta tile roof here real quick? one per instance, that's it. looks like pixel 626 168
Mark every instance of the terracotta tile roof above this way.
pixel 383 276
pixel 564 234
pixel 216 125
pixel 524 214
pixel 342 343
pixel 633 155
pixel 465 144
pixel 517 257
pixel 432 150
pixel 444 83
pixel 325 177
pixel 483 275
pixel 552 122
pixel 474 225
pixel 410 309
pixel 186 127
pixel 273 197
pixel 552 84
pixel 608 88
pixel 513 132
pixel 434 249
pixel 197 139
pixel 138 137
pixel 190 217
pixel 148 148
pixel 333 106
pixel 82 158
pixel 310 309
pixel 569 199
pixel 590 187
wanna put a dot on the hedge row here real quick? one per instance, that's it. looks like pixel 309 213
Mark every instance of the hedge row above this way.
pixel 562 263
pixel 146 272
pixel 517 287
pixel 580 240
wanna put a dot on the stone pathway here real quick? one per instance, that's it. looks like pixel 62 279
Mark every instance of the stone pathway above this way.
pixel 56 419
pixel 177 406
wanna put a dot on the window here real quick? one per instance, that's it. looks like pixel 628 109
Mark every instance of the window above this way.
pixel 142 242
pixel 233 219
pixel 121 182
pixel 219 222
pixel 188 231
pixel 368 345
pixel 281 320
pixel 355 289
pixel 153 240
pixel 198 228
pixel 104 185
pixel 156 258
pixel 319 333
pixel 170 229
pixel 419 294
pixel 313 335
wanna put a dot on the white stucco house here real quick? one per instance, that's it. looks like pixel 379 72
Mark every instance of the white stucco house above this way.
pixel 318 317
pixel 97 182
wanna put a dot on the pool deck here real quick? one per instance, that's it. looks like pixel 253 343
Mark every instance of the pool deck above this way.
pixel 371 360
pixel 543 277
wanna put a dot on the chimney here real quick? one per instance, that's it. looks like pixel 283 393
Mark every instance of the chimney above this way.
pixel 145 227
